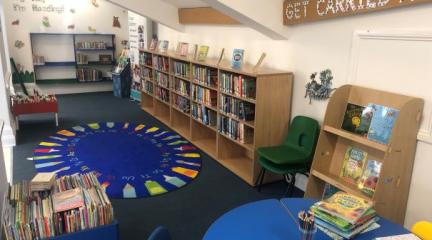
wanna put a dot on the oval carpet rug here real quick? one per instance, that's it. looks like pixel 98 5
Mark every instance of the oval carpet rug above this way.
pixel 130 160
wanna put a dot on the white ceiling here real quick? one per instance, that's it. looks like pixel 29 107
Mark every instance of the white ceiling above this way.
pixel 186 3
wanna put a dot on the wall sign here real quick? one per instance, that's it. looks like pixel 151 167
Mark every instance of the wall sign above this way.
pixel 300 11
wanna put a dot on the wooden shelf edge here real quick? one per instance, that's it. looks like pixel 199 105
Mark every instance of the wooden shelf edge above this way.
pixel 181 77
pixel 203 144
pixel 248 146
pixel 205 105
pixel 179 110
pixel 340 184
pixel 210 127
pixel 204 85
pixel 356 138
pixel 250 124
pixel 238 97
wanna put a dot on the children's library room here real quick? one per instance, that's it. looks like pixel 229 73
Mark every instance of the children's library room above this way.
pixel 215 119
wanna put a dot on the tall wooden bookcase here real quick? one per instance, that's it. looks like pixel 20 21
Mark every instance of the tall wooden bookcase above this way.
pixel 391 193
pixel 272 109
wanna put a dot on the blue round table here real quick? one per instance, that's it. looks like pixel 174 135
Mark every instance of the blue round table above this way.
pixel 275 220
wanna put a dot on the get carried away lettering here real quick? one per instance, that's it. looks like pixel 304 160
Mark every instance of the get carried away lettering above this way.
pixel 298 10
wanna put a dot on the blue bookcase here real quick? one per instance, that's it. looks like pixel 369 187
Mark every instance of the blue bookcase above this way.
pixel 70 65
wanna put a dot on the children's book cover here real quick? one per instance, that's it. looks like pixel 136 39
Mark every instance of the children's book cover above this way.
pixel 202 53
pixel 237 59
pixel 346 206
pixel 382 123
pixel 163 46
pixel 369 179
pixel 353 163
pixel 352 118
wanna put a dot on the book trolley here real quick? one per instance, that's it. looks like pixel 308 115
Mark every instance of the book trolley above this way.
pixel 171 93
pixel 397 157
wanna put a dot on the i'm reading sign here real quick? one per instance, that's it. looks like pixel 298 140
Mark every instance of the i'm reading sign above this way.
pixel 299 11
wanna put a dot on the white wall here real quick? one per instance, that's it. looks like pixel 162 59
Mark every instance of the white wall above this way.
pixel 99 18
pixel 314 47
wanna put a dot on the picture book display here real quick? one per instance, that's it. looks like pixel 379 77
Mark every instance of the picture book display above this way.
pixel 237 58
pixel 163 46
pixel 353 163
pixel 184 49
pixel 370 176
pixel 382 123
pixel 153 44
pixel 373 121
pixel 202 52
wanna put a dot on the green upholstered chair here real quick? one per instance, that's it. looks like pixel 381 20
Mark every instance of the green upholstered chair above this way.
pixel 294 155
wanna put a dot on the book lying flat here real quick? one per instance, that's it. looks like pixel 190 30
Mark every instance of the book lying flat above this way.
pixel 346 206
pixel 67 200
pixel 400 237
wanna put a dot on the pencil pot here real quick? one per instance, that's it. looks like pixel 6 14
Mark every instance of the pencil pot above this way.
pixel 308 233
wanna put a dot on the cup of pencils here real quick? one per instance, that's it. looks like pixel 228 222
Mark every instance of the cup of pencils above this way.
pixel 307 225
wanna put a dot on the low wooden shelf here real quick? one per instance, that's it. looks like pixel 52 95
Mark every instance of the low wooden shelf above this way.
pixel 272 112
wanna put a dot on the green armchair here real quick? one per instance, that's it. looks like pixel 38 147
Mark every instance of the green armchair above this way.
pixel 294 155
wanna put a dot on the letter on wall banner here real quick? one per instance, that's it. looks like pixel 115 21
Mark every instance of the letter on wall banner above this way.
pixel 300 11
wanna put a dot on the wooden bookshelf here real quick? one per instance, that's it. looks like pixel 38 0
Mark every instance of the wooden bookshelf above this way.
pixel 269 127
pixel 397 157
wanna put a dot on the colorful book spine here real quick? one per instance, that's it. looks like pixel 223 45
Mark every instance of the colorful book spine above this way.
pixel 182 103
pixel 181 69
pixel 203 114
pixel 235 130
pixel 204 95
pixel 204 75
pixel 182 87
pixel 237 108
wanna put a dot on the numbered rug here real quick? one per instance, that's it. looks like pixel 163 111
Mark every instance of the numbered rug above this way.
pixel 131 160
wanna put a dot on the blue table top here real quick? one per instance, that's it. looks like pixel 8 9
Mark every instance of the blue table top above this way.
pixel 295 205
pixel 273 219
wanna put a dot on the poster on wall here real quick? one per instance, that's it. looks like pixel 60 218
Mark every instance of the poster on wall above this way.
pixel 137 35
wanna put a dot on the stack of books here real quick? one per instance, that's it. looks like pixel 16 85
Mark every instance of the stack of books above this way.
pixel 344 215
pixel 74 203
pixel 42 181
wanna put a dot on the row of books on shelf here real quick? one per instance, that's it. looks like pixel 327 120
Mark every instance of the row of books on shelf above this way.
pixel 161 63
pixel 147 87
pixel 237 108
pixel 373 121
pixel 344 216
pixel 162 94
pixel 204 114
pixel 146 72
pixel 91 45
pixel 238 85
pixel 359 170
pixel 145 59
pixel 81 58
pixel 89 75
pixel 181 86
pixel 181 103
pixel 181 69
pixel 204 75
pixel 204 95
pixel 235 130
pixel 73 203
pixel 162 79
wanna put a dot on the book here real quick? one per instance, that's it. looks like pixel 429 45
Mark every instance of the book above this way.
pixel 345 206
pixel 184 49
pixel 329 190
pixel 350 234
pixel 237 58
pixel 202 52
pixel 353 118
pixel 163 46
pixel 370 176
pixel 353 164
pixel 382 123
pixel 153 44
pixel 67 200
pixel 408 236
pixel 42 181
